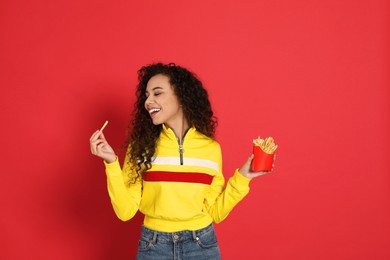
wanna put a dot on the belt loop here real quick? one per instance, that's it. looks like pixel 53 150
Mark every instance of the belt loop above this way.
pixel 154 237
pixel 194 236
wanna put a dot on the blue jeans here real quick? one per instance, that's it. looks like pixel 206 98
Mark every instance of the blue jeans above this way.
pixel 184 245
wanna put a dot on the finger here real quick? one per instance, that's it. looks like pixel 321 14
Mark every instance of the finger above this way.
pixel 96 141
pixel 102 149
pixel 91 147
pixel 250 158
pixel 102 137
pixel 256 174
pixel 94 145
pixel 99 148
pixel 249 161
pixel 94 148
pixel 94 136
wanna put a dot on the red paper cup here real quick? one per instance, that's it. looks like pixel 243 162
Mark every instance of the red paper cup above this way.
pixel 261 161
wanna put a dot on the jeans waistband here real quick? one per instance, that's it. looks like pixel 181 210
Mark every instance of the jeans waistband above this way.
pixel 176 236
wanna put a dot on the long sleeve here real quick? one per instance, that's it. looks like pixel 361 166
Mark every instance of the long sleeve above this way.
pixel 125 196
pixel 221 199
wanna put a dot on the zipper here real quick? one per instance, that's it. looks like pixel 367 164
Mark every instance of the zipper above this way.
pixel 181 153
pixel 181 150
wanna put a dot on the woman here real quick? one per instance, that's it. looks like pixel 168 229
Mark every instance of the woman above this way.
pixel 173 167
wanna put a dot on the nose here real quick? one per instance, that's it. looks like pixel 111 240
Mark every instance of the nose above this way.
pixel 148 101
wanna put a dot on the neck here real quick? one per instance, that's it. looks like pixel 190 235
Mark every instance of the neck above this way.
pixel 179 128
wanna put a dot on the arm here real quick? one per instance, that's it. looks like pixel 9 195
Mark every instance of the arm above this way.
pixel 125 196
pixel 221 199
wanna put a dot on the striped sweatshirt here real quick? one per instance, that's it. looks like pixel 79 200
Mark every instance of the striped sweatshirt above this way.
pixel 183 190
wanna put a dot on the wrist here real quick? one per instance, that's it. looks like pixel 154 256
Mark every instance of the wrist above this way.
pixel 111 159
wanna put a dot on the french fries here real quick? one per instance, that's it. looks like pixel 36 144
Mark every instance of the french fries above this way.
pixel 267 145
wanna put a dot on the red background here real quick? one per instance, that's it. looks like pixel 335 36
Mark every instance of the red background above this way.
pixel 313 74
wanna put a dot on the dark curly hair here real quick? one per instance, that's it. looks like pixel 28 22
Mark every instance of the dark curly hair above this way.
pixel 143 134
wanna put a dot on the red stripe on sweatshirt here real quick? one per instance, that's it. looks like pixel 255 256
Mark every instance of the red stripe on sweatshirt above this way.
pixel 192 177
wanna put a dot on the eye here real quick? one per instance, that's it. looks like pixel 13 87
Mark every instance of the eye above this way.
pixel 157 94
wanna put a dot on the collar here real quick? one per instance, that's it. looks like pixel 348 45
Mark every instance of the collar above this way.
pixel 172 135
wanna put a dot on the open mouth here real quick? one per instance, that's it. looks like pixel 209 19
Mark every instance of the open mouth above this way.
pixel 154 111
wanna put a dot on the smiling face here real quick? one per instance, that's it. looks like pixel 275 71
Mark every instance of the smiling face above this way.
pixel 162 103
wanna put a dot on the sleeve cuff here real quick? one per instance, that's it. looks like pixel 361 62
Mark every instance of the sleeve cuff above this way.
pixel 112 166
pixel 240 180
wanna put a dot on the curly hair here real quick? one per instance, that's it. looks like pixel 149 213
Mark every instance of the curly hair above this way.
pixel 143 134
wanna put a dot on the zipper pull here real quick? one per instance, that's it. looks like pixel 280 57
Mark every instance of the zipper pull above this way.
pixel 181 151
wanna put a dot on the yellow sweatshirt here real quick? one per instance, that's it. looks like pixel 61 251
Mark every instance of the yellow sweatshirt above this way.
pixel 185 188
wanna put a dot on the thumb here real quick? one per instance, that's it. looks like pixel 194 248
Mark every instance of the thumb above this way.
pixel 102 137
pixel 250 158
pixel 249 161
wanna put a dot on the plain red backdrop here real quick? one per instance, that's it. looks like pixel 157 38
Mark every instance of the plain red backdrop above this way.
pixel 313 74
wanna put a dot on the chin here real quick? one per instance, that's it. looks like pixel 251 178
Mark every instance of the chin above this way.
pixel 156 122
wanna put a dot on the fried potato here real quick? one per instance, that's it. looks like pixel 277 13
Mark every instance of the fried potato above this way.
pixel 267 145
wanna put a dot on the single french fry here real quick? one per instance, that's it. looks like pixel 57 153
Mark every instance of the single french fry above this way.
pixel 104 126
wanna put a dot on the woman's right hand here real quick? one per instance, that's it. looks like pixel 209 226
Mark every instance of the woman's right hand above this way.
pixel 101 148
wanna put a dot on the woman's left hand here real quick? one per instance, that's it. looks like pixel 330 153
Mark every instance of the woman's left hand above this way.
pixel 246 171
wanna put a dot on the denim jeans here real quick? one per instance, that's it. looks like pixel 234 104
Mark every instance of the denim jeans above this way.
pixel 184 245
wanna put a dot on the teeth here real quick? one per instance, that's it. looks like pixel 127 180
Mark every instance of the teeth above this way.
pixel 154 110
